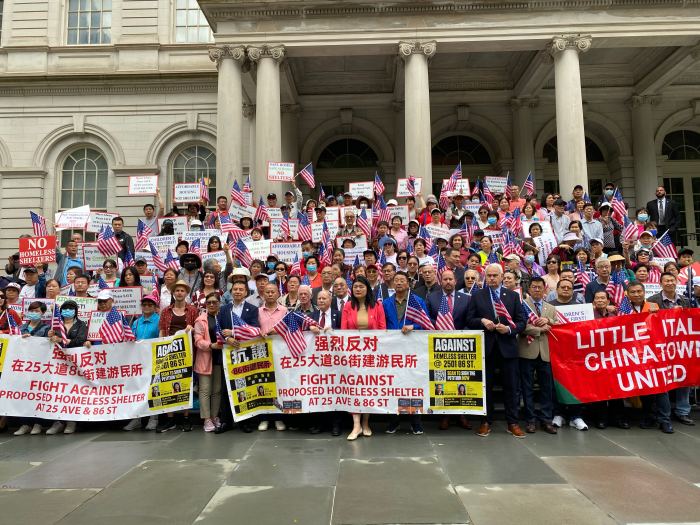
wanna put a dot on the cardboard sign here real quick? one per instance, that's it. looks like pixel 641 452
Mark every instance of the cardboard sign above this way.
pixel 462 187
pixel 98 219
pixel 654 288
pixel 143 184
pixel 128 299
pixel 333 213
pixel 317 230
pixel 85 305
pixel 276 228
pixel 360 242
pixel 402 187
pixel 93 258
pixel 35 250
pixel 576 312
pixel 46 316
pixel 164 243
pixel 180 224
pixel 186 192
pixel 73 219
pixel 400 211
pixel 437 232
pixel 280 171
pixel 286 251
pixel 203 236
pixel 496 184
pixel 236 211
pixel 351 254
pixel 258 249
pixel 219 256
pixel 361 189
pixel 545 243
pixel 546 227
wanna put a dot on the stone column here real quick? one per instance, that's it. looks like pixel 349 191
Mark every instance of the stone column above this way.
pixel 268 119
pixel 646 177
pixel 418 143
pixel 523 141
pixel 290 133
pixel 399 138
pixel 571 138
pixel 249 115
pixel 229 119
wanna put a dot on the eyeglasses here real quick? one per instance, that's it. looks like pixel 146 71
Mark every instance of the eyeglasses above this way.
pixel 280 269
pixel 482 212
pixel 402 258
pixel 552 262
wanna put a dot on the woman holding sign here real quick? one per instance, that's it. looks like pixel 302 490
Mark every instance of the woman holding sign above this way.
pixel 362 312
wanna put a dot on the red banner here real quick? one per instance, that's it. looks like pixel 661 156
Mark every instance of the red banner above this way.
pixel 626 356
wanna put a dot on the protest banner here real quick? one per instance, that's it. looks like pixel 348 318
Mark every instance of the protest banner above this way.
pixel 164 243
pixel 17 308
pixel 333 214
pixel 693 270
pixel 127 299
pixel 180 225
pixel 203 236
pixel 360 242
pixel 85 305
pixel 101 383
pixel 576 312
pixel 472 207
pixel 186 192
pixel 143 184
pixel 359 371
pixel 276 228
pixel 402 187
pixel 275 213
pixel 654 288
pixel 462 187
pixel 625 356
pixel 219 256
pixel 258 249
pixel 545 243
pixel 286 251
pixel 237 211
pixel 46 316
pixel 280 171
pixel 496 184
pixel 437 232
pixel 545 225
pixel 317 230
pixel 36 250
pixel 496 237
pixel 356 211
pixel 73 219
pixel 149 283
pixel 400 211
pixel 351 253
pixel 93 258
pixel 98 220
pixel 361 189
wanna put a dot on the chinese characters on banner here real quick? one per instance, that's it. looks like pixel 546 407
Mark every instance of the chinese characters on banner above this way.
pixel 367 371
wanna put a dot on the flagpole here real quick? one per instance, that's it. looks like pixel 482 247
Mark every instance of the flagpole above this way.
pixel 406 311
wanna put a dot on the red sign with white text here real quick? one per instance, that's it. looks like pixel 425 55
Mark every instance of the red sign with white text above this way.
pixel 36 250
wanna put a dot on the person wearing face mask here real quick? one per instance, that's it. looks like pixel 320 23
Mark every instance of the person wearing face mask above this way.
pixel 608 192
pixel 641 220
pixel 190 264
pixel 315 277
pixel 664 213
pixel 492 221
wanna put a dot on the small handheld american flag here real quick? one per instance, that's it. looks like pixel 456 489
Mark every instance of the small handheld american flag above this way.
pixel 129 259
pixel 416 314
pixel 529 185
pixel 241 252
pixel 143 232
pixel 38 224
pixel 290 328
pixel 12 325
pixel 378 184
pixel 501 310
pixel 115 329
pixel 625 307
pixel 195 247
pixel 307 173
pixel 261 214
pixel 157 259
pixel 304 228
pixel 242 331
pixel 57 326
pixel 203 190
pixel 107 243
pixel 237 194
pixel 411 185
pixel 171 261
pixel 444 320
pixel 363 223
pixel 664 247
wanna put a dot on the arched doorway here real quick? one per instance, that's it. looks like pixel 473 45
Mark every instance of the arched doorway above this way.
pixel 450 151
pixel 598 172
pixel 343 161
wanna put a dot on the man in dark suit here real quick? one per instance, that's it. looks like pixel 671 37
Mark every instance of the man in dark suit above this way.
pixel 326 316
pixel 341 294
pixel 428 281
pixel 665 213
pixel 501 344
pixel 668 298
pixel 326 283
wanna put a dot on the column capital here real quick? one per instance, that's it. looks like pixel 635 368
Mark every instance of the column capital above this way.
pixel 581 43
pixel 639 100
pixel 523 102
pixel 233 51
pixel 248 110
pixel 406 49
pixel 275 51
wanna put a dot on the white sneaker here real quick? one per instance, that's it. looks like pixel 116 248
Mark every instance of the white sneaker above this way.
pixel 36 429
pixel 578 424
pixel 56 428
pixel 279 425
pixel 152 423
pixel 70 428
pixel 262 427
pixel 133 424
pixel 558 421
pixel 24 429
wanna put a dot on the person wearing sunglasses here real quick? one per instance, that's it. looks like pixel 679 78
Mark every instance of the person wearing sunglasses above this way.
pixel 109 272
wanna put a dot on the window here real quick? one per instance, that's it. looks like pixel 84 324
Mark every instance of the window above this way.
pixel 593 152
pixel 675 190
pixel 459 148
pixel 347 153
pixel 89 22
pixel 194 163
pixel 190 24
pixel 682 145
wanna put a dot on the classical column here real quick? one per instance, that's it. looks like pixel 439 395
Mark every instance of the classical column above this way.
pixel 290 133
pixel 571 139
pixel 229 119
pixel 646 177
pixel 399 140
pixel 418 143
pixel 249 115
pixel 268 119
pixel 523 141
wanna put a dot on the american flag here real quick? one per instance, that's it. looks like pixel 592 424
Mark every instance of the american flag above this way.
pixel 618 205
pixel 261 214
pixel 290 328
pixel 356 263
pixel 629 231
pixel 195 247
pixel 561 318
pixel 488 196
pixel 236 194
pixel 321 194
pixel 529 185
pixel 241 253
pixel 441 264
pixel 305 279
pixel 57 325
pixel 157 259
pixel 12 324
pixel 226 223
pixel 107 243
pixel 378 184
pixel 615 287
pixel 286 234
pixel 582 275
pixel 384 211
pixel 101 283
pixel 242 331
pixel 382 258
pixel 532 318
pixel 508 192
pixel 236 233
pixel 129 259
pixel 511 246
pixel 171 261
pixel 444 320
pixel 501 310
pixel 203 190
pixel 219 333
pixel 411 185
pixel 115 329
pixel 143 232
pixel 39 224
pixel 363 223
pixel 304 229
pixel 477 188
pixel 454 178
pixel 492 257
pixel 325 257
pixel 625 307
pixel 247 188
pixel 416 314
pixel 211 220
pixel 664 247
pixel 654 274
pixel 295 269
pixel 307 173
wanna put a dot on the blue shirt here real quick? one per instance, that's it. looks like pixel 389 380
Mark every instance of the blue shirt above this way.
pixel 146 328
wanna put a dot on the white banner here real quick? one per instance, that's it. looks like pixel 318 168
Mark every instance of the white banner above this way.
pixel 258 249
pixel 576 312
pixel 98 219
pixel 128 299
pixel 187 192
pixel 280 171
pixel 180 225
pixel 317 230
pixel 143 184
pixel 402 187
pixel 105 382
pixel 276 228
pixel 286 251
pixel 93 259
pixel 203 236
pixel 496 184
pixel 164 243
pixel 545 243
pixel 73 219
pixel 361 189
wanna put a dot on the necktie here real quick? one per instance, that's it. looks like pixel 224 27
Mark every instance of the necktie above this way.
pixel 538 309
pixel 662 211
pixel 449 302
pixel 341 303
pixel 322 323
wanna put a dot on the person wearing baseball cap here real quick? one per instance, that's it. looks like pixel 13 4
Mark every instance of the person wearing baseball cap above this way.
pixel 34 283
pixel 685 257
